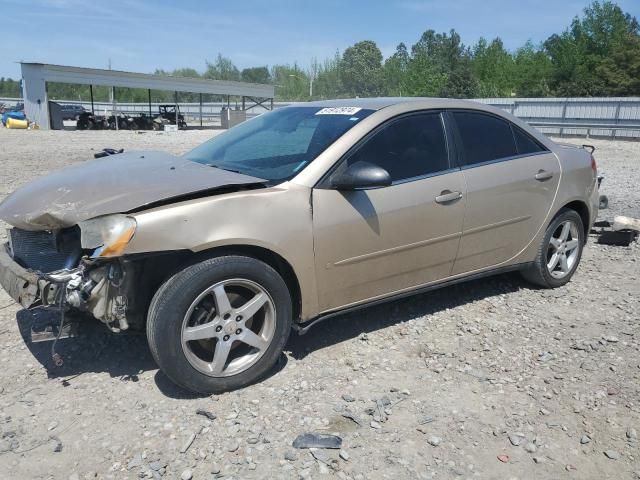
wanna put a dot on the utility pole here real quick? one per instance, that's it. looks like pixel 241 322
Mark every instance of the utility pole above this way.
pixel 310 83
pixel 313 74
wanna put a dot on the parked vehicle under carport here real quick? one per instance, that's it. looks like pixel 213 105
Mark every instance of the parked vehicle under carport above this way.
pixel 169 115
pixel 90 121
pixel 72 111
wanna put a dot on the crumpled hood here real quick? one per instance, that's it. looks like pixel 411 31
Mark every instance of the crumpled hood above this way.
pixel 113 184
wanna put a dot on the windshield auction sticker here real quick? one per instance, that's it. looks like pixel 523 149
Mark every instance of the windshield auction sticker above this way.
pixel 338 111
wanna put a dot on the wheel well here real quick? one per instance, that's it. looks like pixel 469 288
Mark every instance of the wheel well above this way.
pixel 158 268
pixel 275 261
pixel 582 210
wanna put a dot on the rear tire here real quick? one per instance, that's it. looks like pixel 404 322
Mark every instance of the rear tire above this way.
pixel 559 253
pixel 219 324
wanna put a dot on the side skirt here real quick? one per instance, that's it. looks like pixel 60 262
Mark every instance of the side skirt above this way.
pixel 303 328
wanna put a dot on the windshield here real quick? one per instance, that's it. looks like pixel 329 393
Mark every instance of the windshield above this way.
pixel 279 144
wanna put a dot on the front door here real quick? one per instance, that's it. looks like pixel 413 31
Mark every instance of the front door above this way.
pixel 376 242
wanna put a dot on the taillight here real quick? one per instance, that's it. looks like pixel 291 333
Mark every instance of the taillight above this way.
pixel 594 167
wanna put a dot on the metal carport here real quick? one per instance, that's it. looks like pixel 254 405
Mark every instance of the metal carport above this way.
pixel 36 75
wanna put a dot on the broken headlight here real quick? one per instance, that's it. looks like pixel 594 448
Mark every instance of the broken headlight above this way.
pixel 107 236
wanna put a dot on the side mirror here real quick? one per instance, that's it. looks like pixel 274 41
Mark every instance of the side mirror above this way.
pixel 361 175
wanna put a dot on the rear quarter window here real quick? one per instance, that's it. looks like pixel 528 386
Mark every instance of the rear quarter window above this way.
pixel 525 143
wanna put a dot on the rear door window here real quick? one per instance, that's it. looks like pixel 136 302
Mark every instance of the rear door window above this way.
pixel 526 145
pixel 484 138
pixel 409 147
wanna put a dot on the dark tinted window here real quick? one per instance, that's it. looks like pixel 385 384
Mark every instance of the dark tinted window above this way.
pixel 409 147
pixel 484 137
pixel 525 143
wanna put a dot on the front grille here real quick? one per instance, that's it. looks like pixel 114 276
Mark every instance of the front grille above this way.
pixel 46 251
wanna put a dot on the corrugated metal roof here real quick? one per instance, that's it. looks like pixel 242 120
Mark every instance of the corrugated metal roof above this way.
pixel 117 78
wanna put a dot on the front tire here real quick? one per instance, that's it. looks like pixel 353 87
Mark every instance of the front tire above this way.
pixel 559 253
pixel 219 324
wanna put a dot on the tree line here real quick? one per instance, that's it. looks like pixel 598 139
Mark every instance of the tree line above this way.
pixel 597 55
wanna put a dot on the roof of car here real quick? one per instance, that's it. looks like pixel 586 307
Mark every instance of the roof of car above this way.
pixel 378 103
pixel 407 104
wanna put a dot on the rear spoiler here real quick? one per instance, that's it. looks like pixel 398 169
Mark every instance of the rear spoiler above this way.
pixel 591 148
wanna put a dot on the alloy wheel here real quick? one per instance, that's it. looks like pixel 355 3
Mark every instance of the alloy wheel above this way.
pixel 228 327
pixel 563 249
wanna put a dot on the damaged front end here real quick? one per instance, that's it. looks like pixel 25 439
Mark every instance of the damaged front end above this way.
pixel 77 268
pixel 97 288
pixel 67 247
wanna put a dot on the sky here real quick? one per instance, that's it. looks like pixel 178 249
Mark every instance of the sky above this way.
pixel 142 35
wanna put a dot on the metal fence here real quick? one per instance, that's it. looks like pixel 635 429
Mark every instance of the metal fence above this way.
pixel 597 117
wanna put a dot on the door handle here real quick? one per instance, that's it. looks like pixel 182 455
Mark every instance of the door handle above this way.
pixel 447 196
pixel 543 175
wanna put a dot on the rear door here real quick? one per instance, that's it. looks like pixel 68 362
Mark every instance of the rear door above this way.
pixel 511 182
pixel 375 242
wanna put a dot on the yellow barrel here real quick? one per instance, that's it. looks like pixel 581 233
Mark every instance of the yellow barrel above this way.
pixel 14 123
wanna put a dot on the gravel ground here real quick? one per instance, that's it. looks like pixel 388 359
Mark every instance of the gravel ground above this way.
pixel 488 379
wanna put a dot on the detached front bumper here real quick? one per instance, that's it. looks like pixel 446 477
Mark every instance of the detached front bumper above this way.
pixel 23 285
pixel 31 288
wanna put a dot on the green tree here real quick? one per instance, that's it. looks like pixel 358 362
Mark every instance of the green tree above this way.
pixel 186 72
pixel 493 66
pixel 531 71
pixel 328 81
pixel 291 82
pixel 620 69
pixel 613 43
pixel 396 68
pixel 443 59
pixel 361 69
pixel 571 73
pixel 222 69
pixel 424 78
pixel 597 54
pixel 256 75
pixel 10 88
